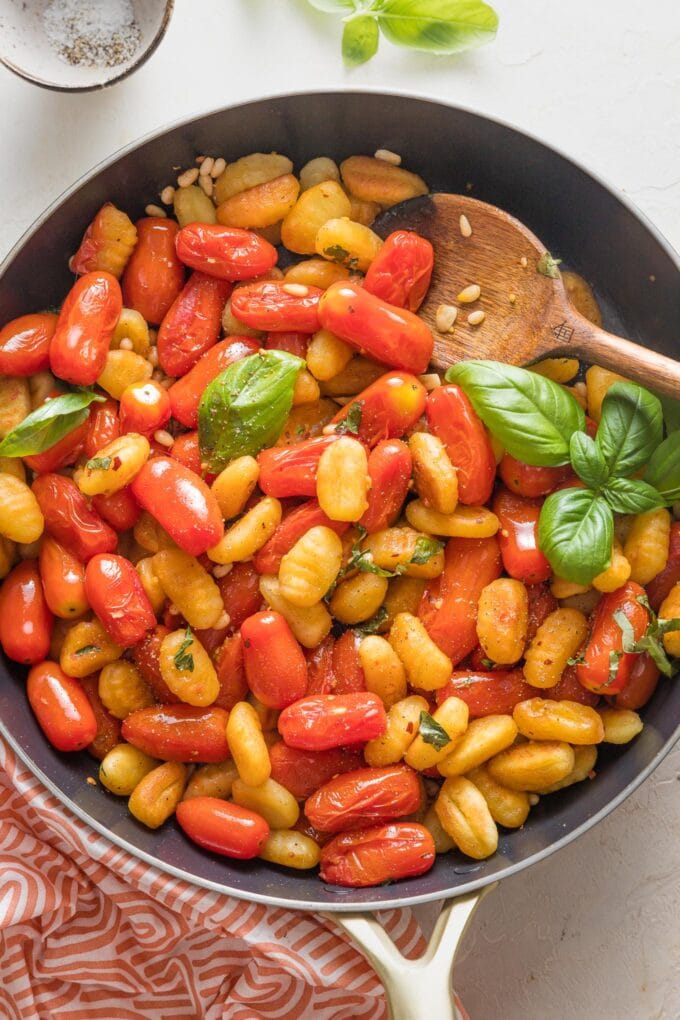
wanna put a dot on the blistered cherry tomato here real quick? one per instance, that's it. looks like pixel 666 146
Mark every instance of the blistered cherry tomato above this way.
pixel 65 451
pixel 179 732
pixel 389 468
pixel 369 796
pixel 542 603
pixel 228 253
pixel 25 617
pixel 291 470
pixel 192 323
pixel 181 503
pixel 660 586
pixel 269 306
pixel 388 407
pixel 568 688
pixel 518 537
pixel 240 591
pixel 640 685
pixel 322 721
pixel 296 524
pixel 121 510
pixel 185 395
pixel 606 668
pixel 448 607
pixel 348 673
pixel 84 328
pixel 25 344
pixel 231 673
pixel 452 419
pixel 70 520
pixel 383 853
pixel 108 727
pixel 115 592
pixel 146 656
pixel 293 343
pixel 186 450
pixel 492 693
pixel 154 276
pixel 103 426
pixel 275 665
pixel 302 772
pixel 144 408
pixel 63 580
pixel 529 481
pixel 223 828
pixel 61 707
pixel 320 676
pixel 391 335
pixel 401 271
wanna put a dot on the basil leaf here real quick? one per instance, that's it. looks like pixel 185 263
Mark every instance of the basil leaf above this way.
pixel 373 625
pixel 183 659
pixel 360 40
pixel 630 496
pixel 432 733
pixel 547 266
pixel 575 533
pixel 49 423
pixel 663 470
pixel 99 463
pixel 667 625
pixel 245 408
pixel 630 429
pixel 86 649
pixel 587 461
pixel 425 549
pixel 352 421
pixel 438 26
pixel 671 413
pixel 533 417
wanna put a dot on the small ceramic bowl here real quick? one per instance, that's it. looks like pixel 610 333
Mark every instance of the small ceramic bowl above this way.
pixel 80 45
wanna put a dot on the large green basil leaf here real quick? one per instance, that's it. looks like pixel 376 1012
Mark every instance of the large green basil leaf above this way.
pixel 575 533
pixel 360 39
pixel 671 413
pixel 49 423
pixel 440 26
pixel 630 496
pixel 630 429
pixel 663 470
pixel 587 461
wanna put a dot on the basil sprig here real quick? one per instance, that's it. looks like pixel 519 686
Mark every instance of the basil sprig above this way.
pixel 663 470
pixel 44 427
pixel 651 641
pixel 432 732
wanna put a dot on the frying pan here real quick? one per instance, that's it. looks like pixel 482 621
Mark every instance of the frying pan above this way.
pixel 636 276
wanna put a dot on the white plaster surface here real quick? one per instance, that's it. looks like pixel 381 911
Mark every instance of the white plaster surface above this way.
pixel 593 933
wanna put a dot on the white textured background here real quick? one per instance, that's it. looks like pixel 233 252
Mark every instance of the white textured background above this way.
pixel 594 932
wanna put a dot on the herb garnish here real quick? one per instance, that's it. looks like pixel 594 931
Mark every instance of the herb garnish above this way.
pixel 99 463
pixel 44 427
pixel 432 733
pixel 86 649
pixel 183 659
pixel 352 421
pixel 547 266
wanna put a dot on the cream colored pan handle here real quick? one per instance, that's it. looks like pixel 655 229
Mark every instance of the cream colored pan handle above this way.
pixel 415 989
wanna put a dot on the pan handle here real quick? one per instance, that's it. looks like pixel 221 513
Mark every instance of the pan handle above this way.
pixel 415 989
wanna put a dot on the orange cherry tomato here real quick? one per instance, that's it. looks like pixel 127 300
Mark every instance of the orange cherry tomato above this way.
pixel 296 524
pixel 660 586
pixel 181 503
pixel 108 727
pixel 389 468
pixel 121 510
pixel 606 668
pixel 527 480
pixel 368 796
pixel 192 323
pixel 115 592
pixel 70 520
pixel 240 591
pixel 302 772
pixel 179 732
pixel 231 673
pixel 103 426
pixel 144 408
pixel 291 470
pixel 228 253
pixel 542 603
pixel 84 328
pixel 490 693
pixel 65 451
pixel 275 665
pixel 391 335
pixel 25 617
pixel 323 721
pixel 61 707
pixel 185 395
pixel 25 344
pixel 146 656
pixel 640 685
pixel 448 607
pixel 293 343
pixel 63 580
pixel 224 828
pixel 568 688
pixel 518 537
pixel 389 407
pixel 452 419
pixel 401 271
pixel 268 306
pixel 383 853
pixel 154 276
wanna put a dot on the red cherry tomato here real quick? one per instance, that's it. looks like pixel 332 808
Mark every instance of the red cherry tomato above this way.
pixel 107 243
pixel 186 450
pixel 185 395
pixel 268 306
pixel 640 685
pixel 146 656
pixel 121 510
pixel 228 253
pixel 25 344
pixel 568 688
pixel 384 853
pixel 240 591
pixel 369 796
pixel 323 721
pixel 606 668
pixel 65 451
pixel 144 408
pixel 224 828
pixel 296 524
pixel 526 480
pixel 103 426
pixel 115 592
pixel 493 693
pixel 63 580
pixel 191 326
pixel 291 470
pixel 347 671
pixel 452 419
pixel 660 586
pixel 391 335
pixel 181 503
pixel 231 673
pixel 154 276
pixel 389 407
pixel 320 676
pixel 448 607
pixel 179 732
pixel 302 772
pixel 84 328
pixel 389 468
pixel 542 603
pixel 108 727
pixel 275 665
pixel 70 520
pixel 401 271
pixel 293 343
pixel 25 618
pixel 518 537
pixel 61 707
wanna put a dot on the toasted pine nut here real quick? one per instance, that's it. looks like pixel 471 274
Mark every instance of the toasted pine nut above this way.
pixel 469 294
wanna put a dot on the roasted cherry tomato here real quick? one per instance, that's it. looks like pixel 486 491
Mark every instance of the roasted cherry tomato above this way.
pixel 25 344
pixel 185 395
pixel 389 468
pixel 291 470
pixel 640 685
pixel 384 853
pixel 154 276
pixel 192 323
pixel 320 676
pixel 296 524
pixel 179 732
pixel 568 688
pixel 323 721
pixel 103 426
pixel 70 520
pixel 452 419
pixel 518 537
pixel 387 408
pixel 61 707
pixel 146 655
pixel 186 450
pixel 348 673
pixel 269 306
pixel 542 603
pixel 224 828
pixel 401 271
pixel 391 335
pixel 293 343
pixel 660 586
pixel 231 673
pixel 448 607
pixel 240 591
pixel 65 451
pixel 606 668
pixel 115 592
pixel 25 617
pixel 144 408
pixel 121 510
pixel 275 665
pixel 369 796
pixel 493 693
pixel 181 503
pixel 526 480
pixel 228 253
pixel 107 243
pixel 108 727
pixel 302 772
pixel 84 328
pixel 63 580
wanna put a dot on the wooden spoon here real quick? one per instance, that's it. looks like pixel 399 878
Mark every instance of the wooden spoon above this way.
pixel 527 315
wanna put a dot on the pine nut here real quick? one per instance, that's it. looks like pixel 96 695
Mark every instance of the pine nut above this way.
pixel 206 166
pixel 188 178
pixel 154 210
pixel 445 317
pixel 465 228
pixel 152 356
pixel 167 195
pixel 206 184
pixel 296 289
pixel 476 318
pixel 163 437
pixel 387 156
pixel 469 294
pixel 126 344
pixel 218 167
pixel 222 569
